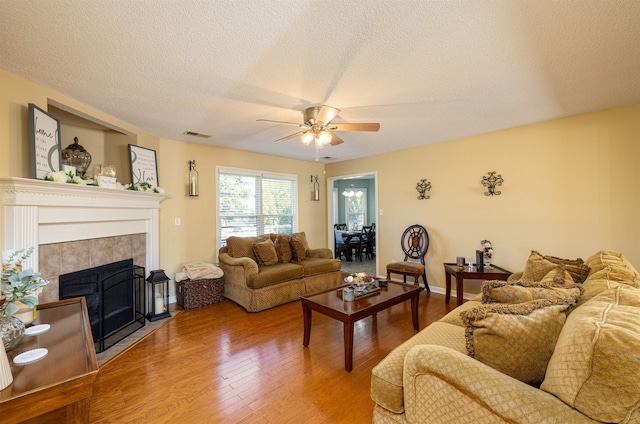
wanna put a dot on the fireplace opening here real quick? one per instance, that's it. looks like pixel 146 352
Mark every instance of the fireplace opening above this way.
pixel 115 296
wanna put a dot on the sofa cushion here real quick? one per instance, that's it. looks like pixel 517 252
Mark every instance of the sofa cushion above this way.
pixel 283 249
pixel 604 258
pixel 274 274
pixel 387 375
pixel 297 248
pixel 606 278
pixel 314 266
pixel 538 266
pixel 515 339
pixel 265 252
pixel 596 367
pixel 453 317
pixel 239 247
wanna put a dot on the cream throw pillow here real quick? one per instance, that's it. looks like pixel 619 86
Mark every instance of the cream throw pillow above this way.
pixel 596 366
pixel 515 339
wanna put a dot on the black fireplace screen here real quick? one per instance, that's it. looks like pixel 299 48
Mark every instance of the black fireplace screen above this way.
pixel 115 295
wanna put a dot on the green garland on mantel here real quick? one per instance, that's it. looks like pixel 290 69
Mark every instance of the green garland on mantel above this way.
pixel 70 178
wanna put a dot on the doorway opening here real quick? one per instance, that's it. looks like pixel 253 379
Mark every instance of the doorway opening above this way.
pixel 353 204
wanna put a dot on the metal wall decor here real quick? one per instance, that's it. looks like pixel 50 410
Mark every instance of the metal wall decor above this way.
pixel 423 186
pixel 491 182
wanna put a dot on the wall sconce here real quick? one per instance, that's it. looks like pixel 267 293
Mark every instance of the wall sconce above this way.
pixel 157 295
pixel 315 188
pixel 193 179
pixel 491 182
pixel 422 187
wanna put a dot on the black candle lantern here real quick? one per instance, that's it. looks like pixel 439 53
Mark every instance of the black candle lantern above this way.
pixel 157 295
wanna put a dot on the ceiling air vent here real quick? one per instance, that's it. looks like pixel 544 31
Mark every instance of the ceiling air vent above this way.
pixel 196 134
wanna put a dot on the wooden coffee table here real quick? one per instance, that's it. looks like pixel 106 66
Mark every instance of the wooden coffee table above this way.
pixel 330 303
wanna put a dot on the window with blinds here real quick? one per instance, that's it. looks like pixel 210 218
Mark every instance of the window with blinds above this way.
pixel 251 203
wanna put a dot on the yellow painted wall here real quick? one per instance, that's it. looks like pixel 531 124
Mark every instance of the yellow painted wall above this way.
pixel 570 188
pixel 195 238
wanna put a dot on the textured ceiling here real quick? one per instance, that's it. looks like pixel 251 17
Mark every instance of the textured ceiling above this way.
pixel 427 71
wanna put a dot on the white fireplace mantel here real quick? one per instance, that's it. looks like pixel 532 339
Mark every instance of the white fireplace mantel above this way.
pixel 40 212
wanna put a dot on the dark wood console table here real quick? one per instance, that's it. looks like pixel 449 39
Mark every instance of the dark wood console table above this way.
pixel 63 378
pixel 460 273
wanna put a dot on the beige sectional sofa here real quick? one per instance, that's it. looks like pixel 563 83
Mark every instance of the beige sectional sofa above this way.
pixel 579 352
pixel 269 270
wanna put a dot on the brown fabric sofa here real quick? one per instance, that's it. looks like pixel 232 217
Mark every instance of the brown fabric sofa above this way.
pixel 592 375
pixel 264 281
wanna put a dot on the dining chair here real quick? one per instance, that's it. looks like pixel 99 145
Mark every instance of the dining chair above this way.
pixel 415 243
pixel 340 248
pixel 358 244
pixel 369 235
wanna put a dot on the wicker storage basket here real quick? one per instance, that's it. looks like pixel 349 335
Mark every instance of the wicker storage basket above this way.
pixel 196 293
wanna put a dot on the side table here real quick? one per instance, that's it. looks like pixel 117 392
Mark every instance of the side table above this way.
pixel 62 380
pixel 460 273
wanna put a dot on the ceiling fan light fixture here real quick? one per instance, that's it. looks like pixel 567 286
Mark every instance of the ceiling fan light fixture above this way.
pixel 307 138
pixel 324 138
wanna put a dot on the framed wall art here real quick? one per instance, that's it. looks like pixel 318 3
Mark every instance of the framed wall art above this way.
pixel 144 167
pixel 44 142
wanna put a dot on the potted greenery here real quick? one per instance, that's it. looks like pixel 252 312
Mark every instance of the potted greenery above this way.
pixel 20 289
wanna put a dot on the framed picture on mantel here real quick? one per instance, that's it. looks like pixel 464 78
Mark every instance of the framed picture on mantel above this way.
pixel 44 142
pixel 144 167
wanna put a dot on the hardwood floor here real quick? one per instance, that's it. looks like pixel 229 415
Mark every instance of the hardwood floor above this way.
pixel 221 364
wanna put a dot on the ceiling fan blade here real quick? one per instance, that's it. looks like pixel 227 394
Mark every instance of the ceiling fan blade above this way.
pixel 281 122
pixel 355 127
pixel 335 140
pixel 326 114
pixel 299 133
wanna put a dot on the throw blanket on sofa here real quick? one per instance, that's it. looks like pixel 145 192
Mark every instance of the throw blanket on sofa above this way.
pixel 198 271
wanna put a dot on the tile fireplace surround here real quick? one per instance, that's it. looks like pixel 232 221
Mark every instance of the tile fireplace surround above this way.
pixel 74 227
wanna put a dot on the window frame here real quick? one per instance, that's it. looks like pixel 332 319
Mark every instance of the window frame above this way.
pixel 259 216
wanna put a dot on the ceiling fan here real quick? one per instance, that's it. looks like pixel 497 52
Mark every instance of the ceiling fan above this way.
pixel 317 127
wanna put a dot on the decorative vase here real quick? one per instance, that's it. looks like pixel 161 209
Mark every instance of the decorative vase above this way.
pixel 11 330
pixel 6 378
pixel 26 315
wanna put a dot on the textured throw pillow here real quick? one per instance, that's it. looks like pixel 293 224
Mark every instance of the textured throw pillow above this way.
pixel 297 248
pixel 557 286
pixel 515 339
pixel 302 236
pixel 502 292
pixel 283 249
pixel 239 247
pixel 596 367
pixel 538 266
pixel 265 252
